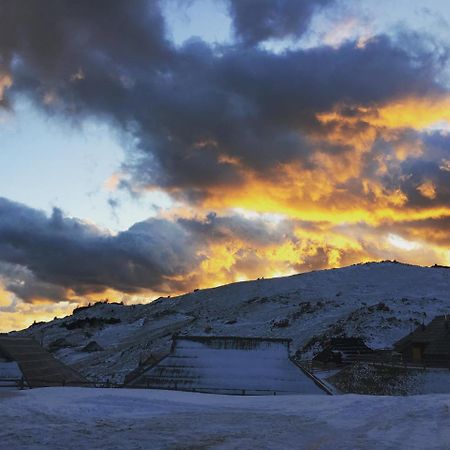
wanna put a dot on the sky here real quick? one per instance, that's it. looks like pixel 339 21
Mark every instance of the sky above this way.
pixel 149 148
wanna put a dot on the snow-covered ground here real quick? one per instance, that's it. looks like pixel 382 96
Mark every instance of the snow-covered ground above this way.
pixel 380 302
pixel 433 381
pixel 10 373
pixel 77 418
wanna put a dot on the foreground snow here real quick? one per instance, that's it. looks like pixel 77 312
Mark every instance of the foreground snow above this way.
pixel 75 418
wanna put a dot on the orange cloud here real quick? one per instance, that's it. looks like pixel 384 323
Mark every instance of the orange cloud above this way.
pixel 427 189
pixel 411 112
pixel 5 82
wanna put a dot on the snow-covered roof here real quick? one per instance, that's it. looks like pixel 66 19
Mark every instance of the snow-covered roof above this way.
pixel 229 364
pixel 38 366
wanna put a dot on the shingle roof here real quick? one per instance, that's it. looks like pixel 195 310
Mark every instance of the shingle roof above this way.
pixel 348 344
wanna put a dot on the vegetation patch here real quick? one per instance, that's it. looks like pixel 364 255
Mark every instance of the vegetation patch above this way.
pixel 364 378
pixel 90 322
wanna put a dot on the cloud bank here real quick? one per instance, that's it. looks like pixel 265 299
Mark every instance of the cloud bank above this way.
pixel 346 144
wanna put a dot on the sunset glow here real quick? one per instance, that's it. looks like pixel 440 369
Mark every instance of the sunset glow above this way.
pixel 161 159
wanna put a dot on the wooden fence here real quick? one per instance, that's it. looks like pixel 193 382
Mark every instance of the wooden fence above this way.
pixel 376 359
pixel 21 383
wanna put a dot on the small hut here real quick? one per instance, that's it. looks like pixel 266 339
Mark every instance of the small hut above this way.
pixel 427 344
pixel 344 350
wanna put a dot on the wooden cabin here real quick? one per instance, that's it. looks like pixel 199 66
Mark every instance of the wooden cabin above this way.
pixel 427 344
pixel 343 350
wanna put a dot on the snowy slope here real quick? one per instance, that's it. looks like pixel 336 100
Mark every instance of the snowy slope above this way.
pixel 76 418
pixel 379 301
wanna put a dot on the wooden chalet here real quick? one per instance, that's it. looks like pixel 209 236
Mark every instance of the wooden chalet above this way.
pixel 343 350
pixel 427 344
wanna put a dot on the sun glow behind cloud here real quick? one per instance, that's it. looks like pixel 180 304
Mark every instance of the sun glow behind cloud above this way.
pixel 398 241
pixel 314 139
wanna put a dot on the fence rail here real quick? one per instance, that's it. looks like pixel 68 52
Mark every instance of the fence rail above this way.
pixel 210 390
pixel 379 360
pixel 21 383
pixel 18 383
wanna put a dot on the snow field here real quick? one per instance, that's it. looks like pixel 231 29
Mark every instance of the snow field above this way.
pixel 75 418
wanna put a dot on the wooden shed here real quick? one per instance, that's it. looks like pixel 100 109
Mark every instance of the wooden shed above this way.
pixel 343 350
pixel 428 344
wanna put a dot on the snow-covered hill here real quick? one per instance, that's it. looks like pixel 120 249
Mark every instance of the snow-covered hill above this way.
pixel 378 301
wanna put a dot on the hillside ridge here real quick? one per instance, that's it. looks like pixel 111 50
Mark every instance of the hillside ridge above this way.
pixel 379 301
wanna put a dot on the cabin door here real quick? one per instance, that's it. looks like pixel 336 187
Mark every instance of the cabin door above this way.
pixel 417 354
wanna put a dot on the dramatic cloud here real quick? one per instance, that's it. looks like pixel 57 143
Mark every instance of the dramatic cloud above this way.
pixel 56 258
pixel 310 157
pixel 59 258
pixel 72 254
pixel 202 116
pixel 258 20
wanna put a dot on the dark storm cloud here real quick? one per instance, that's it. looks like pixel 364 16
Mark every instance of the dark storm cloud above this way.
pixel 258 20
pixel 21 282
pixel 56 38
pixel 428 168
pixel 257 107
pixel 69 253
pixel 42 256
pixel 186 108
